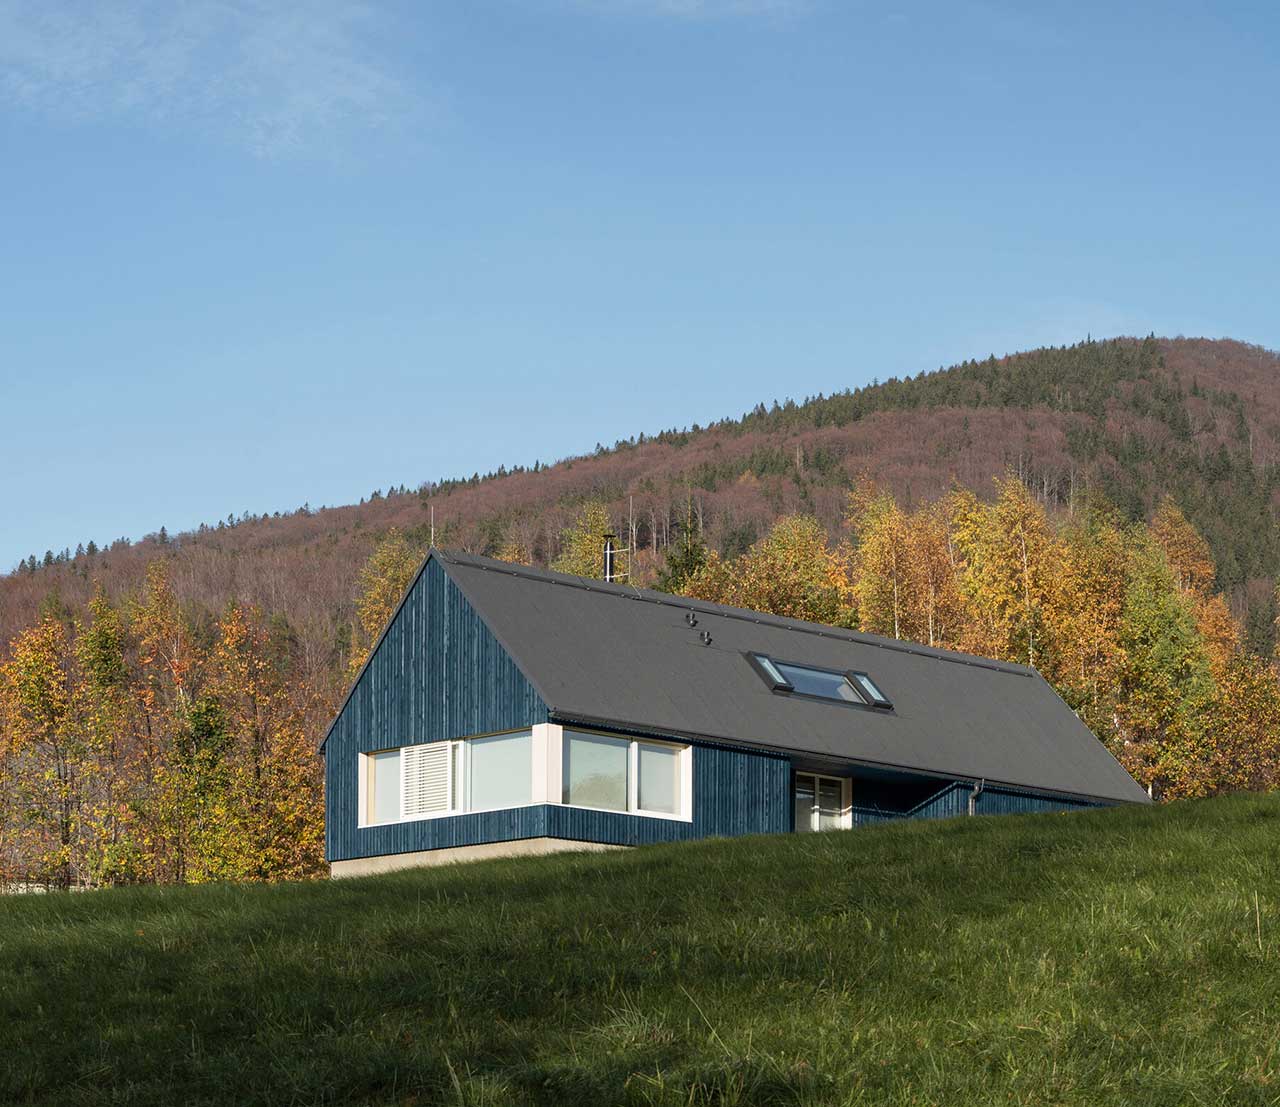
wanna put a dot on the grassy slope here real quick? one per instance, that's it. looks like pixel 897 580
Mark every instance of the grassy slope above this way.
pixel 1112 957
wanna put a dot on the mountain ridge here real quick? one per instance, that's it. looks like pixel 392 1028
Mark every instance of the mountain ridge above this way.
pixel 1135 419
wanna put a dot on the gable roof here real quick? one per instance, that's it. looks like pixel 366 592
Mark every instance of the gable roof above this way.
pixel 612 654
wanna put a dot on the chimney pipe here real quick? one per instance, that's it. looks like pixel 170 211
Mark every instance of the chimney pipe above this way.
pixel 608 556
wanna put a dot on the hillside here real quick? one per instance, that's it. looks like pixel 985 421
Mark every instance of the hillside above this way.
pixel 1124 956
pixel 1195 418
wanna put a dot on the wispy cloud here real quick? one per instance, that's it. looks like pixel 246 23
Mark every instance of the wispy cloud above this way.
pixel 701 9
pixel 276 76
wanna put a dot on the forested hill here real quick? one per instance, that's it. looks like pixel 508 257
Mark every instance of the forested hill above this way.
pixel 161 702
pixel 1133 419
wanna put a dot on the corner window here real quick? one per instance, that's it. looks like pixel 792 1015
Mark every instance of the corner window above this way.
pixel 546 764
pixel 621 774
pixel 446 778
pixel 824 684
pixel 595 771
pixel 499 772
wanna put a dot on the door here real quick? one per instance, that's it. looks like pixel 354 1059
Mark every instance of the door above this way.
pixel 819 802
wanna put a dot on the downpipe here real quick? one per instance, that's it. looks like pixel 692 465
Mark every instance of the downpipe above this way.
pixel 973 796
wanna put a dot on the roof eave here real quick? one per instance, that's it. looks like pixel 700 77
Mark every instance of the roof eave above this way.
pixel 564 716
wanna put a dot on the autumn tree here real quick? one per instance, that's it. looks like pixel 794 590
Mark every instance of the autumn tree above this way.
pixel 1188 553
pixel 1087 602
pixel 1165 684
pixel 792 571
pixel 383 580
pixel 515 552
pixel 1246 723
pixel 881 561
pixel 42 746
pixel 262 794
pixel 1007 555
pixel 582 543
pixel 105 708
pixel 168 670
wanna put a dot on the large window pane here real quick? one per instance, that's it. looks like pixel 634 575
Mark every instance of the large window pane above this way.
pixel 804 802
pixel 595 771
pixel 816 682
pixel 659 778
pixel 830 804
pixel 384 786
pixel 500 772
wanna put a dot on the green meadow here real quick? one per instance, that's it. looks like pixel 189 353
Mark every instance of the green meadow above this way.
pixel 1125 956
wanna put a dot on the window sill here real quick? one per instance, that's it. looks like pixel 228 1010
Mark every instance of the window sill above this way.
pixel 567 806
pixel 634 814
pixel 450 815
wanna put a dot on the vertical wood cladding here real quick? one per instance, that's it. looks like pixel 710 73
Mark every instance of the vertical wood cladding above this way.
pixel 952 800
pixel 734 792
pixel 439 673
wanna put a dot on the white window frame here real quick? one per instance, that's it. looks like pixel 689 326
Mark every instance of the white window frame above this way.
pixel 684 771
pixel 459 768
pixel 364 781
pixel 546 775
pixel 846 799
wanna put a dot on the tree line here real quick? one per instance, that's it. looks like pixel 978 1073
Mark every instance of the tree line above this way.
pixel 1120 617
pixel 149 740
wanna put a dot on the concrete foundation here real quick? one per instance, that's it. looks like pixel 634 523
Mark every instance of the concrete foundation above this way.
pixel 524 847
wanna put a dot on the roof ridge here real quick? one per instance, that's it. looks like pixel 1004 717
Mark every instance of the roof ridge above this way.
pixel 706 607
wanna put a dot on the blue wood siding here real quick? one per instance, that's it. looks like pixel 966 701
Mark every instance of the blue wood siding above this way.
pixel 1019 801
pixel 735 791
pixel 952 800
pixel 438 673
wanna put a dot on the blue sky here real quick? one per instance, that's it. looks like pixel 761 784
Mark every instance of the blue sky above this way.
pixel 259 253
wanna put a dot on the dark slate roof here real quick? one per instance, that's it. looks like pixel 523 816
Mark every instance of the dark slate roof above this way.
pixel 612 654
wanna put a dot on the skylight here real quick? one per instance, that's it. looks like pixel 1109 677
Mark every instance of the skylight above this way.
pixel 818 682
pixel 870 690
pixel 811 682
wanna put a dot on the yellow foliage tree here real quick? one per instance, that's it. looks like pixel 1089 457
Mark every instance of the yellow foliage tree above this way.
pixel 1187 551
pixel 882 560
pixel 904 580
pixel 268 817
pixel 382 583
pixel 582 543
pixel 1084 610
pixel 41 741
pixel 1008 555
pixel 515 552
pixel 792 571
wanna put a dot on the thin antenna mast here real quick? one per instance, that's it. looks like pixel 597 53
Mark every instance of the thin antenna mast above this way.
pixel 631 532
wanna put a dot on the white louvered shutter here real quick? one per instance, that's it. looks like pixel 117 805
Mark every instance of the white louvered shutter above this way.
pixel 424 777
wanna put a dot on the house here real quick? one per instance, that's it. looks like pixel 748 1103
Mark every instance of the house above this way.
pixel 514 710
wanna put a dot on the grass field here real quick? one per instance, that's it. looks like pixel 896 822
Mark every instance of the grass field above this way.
pixel 1113 957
